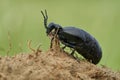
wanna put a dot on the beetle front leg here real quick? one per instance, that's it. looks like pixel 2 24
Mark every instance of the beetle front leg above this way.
pixel 51 43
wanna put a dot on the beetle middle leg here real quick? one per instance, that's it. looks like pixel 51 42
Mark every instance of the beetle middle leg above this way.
pixel 54 36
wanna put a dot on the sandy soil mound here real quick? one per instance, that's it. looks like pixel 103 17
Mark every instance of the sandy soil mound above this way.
pixel 51 65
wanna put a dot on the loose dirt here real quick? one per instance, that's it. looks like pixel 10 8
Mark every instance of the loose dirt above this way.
pixel 53 64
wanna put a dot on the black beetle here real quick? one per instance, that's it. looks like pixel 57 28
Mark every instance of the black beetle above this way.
pixel 77 39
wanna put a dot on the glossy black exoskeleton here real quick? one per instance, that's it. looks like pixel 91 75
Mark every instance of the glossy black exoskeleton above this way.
pixel 77 39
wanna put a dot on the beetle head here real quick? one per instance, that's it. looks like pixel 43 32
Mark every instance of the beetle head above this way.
pixel 51 27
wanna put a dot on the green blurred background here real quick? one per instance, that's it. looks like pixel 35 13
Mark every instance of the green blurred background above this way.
pixel 21 20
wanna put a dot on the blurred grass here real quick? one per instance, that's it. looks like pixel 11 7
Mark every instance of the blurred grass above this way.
pixel 23 20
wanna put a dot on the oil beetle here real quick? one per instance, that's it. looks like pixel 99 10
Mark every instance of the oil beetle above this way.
pixel 77 39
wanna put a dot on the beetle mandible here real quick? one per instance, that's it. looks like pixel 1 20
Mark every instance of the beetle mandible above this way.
pixel 77 39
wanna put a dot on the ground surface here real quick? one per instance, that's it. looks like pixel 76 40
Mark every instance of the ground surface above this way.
pixel 53 64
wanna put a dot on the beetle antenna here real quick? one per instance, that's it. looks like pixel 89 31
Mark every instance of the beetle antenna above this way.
pixel 45 16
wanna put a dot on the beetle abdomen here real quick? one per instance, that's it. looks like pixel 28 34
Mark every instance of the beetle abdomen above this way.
pixel 82 42
pixel 92 52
